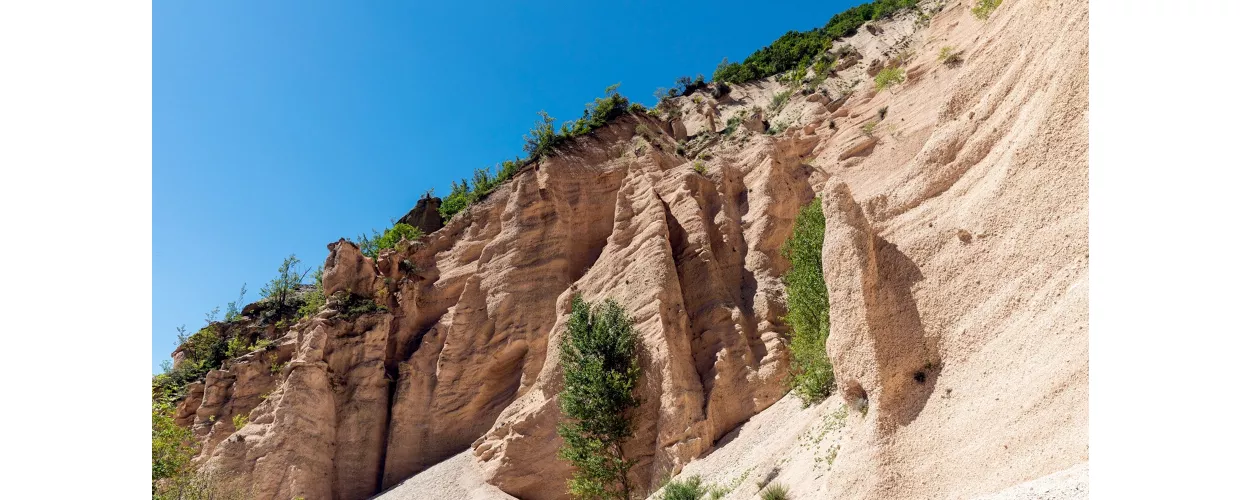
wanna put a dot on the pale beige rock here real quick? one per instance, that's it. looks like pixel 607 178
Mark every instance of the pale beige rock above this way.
pixel 754 123
pixel 860 146
pixel 679 132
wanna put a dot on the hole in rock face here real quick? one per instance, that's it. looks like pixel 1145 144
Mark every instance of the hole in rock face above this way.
pixel 856 396
pixel 920 377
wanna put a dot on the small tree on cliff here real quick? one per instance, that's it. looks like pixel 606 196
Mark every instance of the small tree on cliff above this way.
pixel 807 305
pixel 599 357
pixel 280 290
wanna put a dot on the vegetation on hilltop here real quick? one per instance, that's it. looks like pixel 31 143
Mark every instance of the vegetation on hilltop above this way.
pixel 795 50
pixel 465 194
pixel 540 142
pixel 217 341
pixel 372 245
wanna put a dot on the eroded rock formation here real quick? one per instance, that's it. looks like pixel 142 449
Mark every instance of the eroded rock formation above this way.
pixel 957 219
pixel 465 354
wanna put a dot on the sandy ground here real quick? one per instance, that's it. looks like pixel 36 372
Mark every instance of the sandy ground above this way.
pixel 786 444
pixel 1072 482
pixel 797 447
pixel 453 479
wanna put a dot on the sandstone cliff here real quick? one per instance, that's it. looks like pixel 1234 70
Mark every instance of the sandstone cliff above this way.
pixel 956 260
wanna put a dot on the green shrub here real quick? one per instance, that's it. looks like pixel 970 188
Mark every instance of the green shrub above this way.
pixel 315 300
pixel 733 123
pixel 699 167
pixel 689 489
pixel 822 69
pixel 812 376
pixel 204 351
pixel 371 246
pixel 599 358
pixel 352 305
pixel 456 200
pixel 173 476
pixel 887 78
pixel 868 128
pixel 172 446
pixel 541 138
pixel 796 76
pixel 983 8
pixel 731 72
pixel 279 291
pixel 596 114
pixel 274 364
pixel 775 492
pixel 949 56
pixel 239 421
pixel 778 101
pixel 237 346
pixel 234 308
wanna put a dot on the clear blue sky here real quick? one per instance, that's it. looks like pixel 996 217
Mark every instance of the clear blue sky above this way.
pixel 281 126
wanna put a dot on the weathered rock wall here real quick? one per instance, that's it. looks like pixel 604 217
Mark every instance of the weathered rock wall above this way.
pixel 955 256
pixel 466 352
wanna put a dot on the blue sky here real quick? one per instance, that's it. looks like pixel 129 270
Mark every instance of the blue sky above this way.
pixel 281 126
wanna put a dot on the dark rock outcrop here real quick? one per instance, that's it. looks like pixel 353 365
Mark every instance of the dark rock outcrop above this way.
pixel 425 215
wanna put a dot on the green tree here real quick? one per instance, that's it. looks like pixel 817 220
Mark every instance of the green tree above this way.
pixel 808 316
pixel 599 357
pixel 172 446
pixel 280 289
pixel 234 308
pixel 542 137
